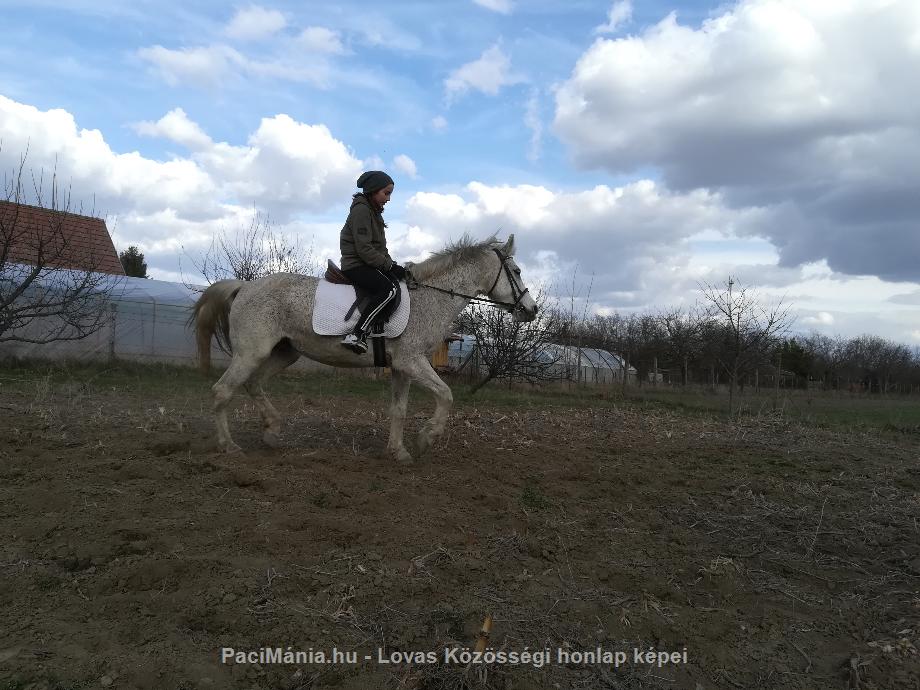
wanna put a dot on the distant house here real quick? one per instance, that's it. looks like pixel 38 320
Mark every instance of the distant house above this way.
pixel 29 234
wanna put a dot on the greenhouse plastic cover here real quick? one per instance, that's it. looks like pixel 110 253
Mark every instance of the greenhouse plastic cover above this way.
pixel 148 320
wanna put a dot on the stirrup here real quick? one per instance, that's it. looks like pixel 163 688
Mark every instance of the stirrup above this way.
pixel 354 343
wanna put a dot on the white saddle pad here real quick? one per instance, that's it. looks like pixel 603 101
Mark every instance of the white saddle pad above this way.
pixel 333 301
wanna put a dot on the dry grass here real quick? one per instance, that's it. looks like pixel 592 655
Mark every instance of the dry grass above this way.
pixel 782 554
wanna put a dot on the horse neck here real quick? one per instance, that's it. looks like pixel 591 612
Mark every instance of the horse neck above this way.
pixel 472 278
pixel 467 279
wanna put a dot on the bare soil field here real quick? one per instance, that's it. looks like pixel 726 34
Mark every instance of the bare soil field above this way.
pixel 761 553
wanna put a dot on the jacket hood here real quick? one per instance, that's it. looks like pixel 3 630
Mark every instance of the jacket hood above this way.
pixel 359 199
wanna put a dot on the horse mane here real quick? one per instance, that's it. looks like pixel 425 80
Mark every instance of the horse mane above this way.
pixel 464 250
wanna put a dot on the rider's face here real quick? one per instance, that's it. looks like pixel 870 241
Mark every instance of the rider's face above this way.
pixel 382 196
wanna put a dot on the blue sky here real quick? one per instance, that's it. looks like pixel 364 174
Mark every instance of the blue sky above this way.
pixel 653 145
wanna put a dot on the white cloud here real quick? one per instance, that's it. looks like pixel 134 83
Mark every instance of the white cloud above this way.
pixel 619 14
pixel 319 39
pixel 906 298
pixel 533 122
pixel 487 74
pixel 378 30
pixel 374 163
pixel 645 247
pixel 633 238
pixel 769 104
pixel 406 165
pixel 439 123
pixel 255 23
pixel 214 66
pixel 165 232
pixel 500 6
pixel 82 157
pixel 415 244
pixel 174 207
pixel 284 168
pixel 822 318
pixel 176 126
pixel 316 73
pixel 202 66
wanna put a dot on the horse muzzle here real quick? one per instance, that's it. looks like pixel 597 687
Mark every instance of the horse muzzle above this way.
pixel 524 314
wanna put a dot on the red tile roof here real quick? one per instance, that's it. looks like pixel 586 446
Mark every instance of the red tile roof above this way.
pixel 65 240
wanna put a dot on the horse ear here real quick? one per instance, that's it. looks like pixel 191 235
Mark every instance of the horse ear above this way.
pixel 508 249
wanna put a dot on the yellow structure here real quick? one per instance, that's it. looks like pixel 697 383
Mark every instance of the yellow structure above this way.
pixel 439 358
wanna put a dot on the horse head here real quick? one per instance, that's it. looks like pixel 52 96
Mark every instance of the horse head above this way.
pixel 509 288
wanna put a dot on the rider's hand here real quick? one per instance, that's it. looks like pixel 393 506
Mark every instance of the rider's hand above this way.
pixel 398 272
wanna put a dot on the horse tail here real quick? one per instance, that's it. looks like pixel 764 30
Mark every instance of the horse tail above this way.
pixel 211 316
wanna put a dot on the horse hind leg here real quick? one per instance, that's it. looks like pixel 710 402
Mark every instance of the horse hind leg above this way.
pixel 241 368
pixel 283 355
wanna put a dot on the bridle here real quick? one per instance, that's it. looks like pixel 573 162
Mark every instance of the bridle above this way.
pixel 516 292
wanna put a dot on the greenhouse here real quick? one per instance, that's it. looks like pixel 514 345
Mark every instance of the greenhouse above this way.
pixel 146 320
pixel 584 365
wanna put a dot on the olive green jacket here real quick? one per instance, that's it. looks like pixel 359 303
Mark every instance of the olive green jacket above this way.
pixel 363 241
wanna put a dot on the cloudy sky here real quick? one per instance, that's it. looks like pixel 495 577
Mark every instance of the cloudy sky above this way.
pixel 650 145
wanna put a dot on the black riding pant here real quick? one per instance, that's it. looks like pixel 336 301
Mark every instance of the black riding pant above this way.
pixel 383 288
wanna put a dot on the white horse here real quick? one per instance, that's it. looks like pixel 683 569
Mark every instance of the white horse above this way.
pixel 267 325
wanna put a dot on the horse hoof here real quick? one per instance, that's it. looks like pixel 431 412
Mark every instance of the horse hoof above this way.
pixel 230 448
pixel 425 441
pixel 271 439
pixel 402 456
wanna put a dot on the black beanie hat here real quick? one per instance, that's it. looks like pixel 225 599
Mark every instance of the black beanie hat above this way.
pixel 373 181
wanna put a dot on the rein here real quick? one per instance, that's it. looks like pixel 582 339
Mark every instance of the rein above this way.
pixel 516 291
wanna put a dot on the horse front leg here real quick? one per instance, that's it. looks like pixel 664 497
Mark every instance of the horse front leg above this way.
pixel 398 404
pixel 424 374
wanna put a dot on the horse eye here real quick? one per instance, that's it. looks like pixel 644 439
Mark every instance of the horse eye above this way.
pixel 517 271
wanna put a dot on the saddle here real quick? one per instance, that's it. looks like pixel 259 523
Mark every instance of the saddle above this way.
pixel 335 276
pixel 339 302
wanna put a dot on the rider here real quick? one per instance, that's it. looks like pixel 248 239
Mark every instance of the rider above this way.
pixel 365 259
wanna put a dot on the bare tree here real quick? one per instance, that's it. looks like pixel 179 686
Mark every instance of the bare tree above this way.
pixel 747 325
pixel 509 349
pixel 683 328
pixel 43 298
pixel 651 344
pixel 254 252
pixel 628 339
pixel 870 362
pixel 824 360
pixel 569 327
pixel 617 334
pixel 876 361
